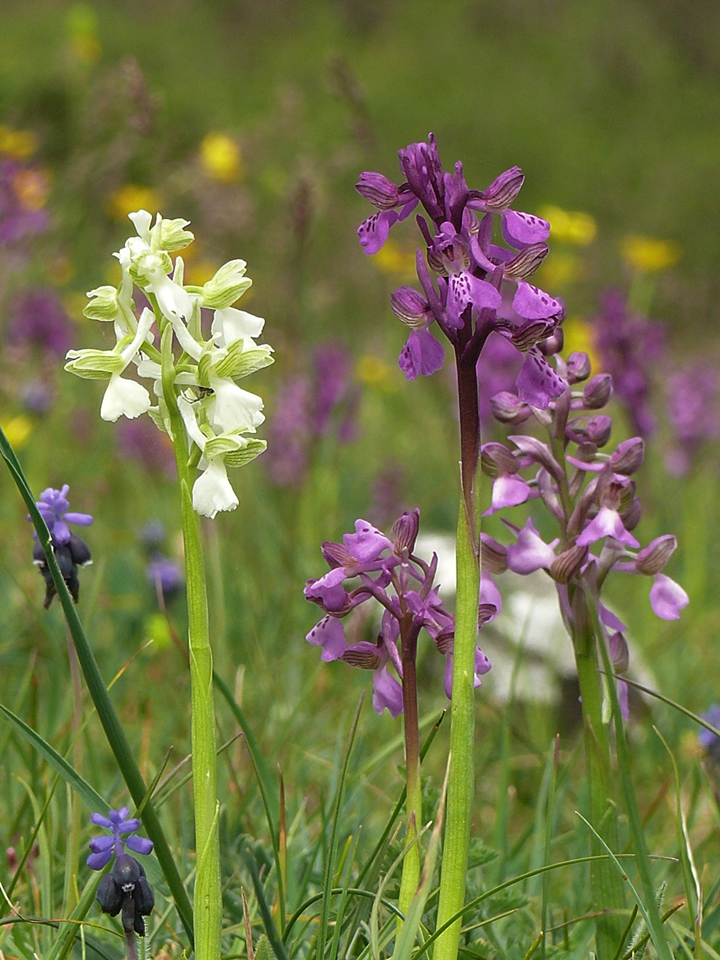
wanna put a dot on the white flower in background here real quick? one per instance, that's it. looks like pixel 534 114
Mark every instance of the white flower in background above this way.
pixel 200 374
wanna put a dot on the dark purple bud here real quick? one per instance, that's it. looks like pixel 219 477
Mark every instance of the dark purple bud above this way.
pixel 553 344
pixel 380 191
pixel 586 451
pixel 404 532
pixel 526 262
pixel 619 653
pixel 652 558
pixel 503 190
pixel 628 456
pixel 578 367
pixel 508 408
pixel 486 613
pixel 598 429
pixel 632 514
pixel 567 564
pixel 494 555
pixel 410 307
pixel 109 895
pixel 598 391
pixel 495 458
pixel 363 655
pixel 337 554
pixel 530 334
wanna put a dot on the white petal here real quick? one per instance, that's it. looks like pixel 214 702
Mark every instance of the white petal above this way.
pixel 141 220
pixel 124 398
pixel 212 491
pixel 234 408
pixel 232 324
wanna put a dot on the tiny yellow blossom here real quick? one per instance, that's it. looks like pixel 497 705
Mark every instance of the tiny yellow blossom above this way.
pixel 132 197
pixel 649 255
pixel 220 158
pixel 395 261
pixel 18 430
pixel 570 226
pixel 59 270
pixel 17 144
pixel 372 371
pixel 580 338
pixel 82 23
pixel 157 632
pixel 31 188
pixel 561 268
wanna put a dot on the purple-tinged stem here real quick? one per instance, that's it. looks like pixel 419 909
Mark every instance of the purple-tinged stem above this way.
pixel 409 631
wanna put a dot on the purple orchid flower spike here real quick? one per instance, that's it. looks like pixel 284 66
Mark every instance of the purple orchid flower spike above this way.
pixel 122 834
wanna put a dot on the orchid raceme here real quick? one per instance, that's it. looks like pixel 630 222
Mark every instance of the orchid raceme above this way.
pixel 185 371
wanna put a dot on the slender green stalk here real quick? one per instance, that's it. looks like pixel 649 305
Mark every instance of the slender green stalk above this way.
pixel 462 736
pixel 98 691
pixel 606 884
pixel 207 907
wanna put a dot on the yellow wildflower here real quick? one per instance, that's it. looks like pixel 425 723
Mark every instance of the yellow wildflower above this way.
pixel 372 371
pixel 82 23
pixel 18 430
pixel 221 158
pixel 395 261
pixel 570 226
pixel 17 144
pixel 31 188
pixel 132 197
pixel 561 268
pixel 157 632
pixel 649 255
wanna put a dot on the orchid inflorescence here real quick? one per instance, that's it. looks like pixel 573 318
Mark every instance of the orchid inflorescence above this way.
pixel 387 570
pixel 479 285
pixel 588 492
pixel 199 383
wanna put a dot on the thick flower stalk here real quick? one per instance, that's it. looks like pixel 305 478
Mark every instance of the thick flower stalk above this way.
pixel 591 496
pixel 471 286
pixel 192 394
pixel 368 565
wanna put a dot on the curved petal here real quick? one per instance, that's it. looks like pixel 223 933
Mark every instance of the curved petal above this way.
pixel 537 383
pixel 606 524
pixel 532 303
pixel 422 354
pixel 482 666
pixel 489 593
pixel 212 491
pixel 367 543
pixel 231 324
pixel 101 844
pixel 373 232
pixel 80 519
pixel 522 229
pixel 387 692
pixel 234 408
pixel 139 845
pixel 96 861
pixel 667 598
pixel 124 398
pixel 330 635
pixel 530 553
pixel 508 491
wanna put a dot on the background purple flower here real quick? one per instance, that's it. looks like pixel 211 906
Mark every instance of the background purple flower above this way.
pixel 693 413
pixel 39 320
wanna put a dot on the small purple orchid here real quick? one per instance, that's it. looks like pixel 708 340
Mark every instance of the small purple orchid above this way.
pixel 386 569
pixel 122 834
pixel 592 496
pixel 480 286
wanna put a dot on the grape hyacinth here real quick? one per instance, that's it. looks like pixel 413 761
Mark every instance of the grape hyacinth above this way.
pixel 71 551
pixel 693 413
pixel 125 889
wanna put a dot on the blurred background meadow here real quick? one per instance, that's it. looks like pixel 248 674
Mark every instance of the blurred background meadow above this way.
pixel 253 120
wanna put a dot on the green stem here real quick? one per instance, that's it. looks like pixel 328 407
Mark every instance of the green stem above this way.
pixel 207 907
pixel 462 735
pixel 413 804
pixel 606 885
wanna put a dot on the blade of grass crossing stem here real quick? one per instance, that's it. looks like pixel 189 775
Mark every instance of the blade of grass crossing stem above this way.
pixel 263 906
pixel 334 836
pixel 690 876
pixel 521 878
pixel 398 806
pixel 69 931
pixel 340 913
pixel 406 940
pixel 671 703
pixel 337 891
pixel 636 830
pixel 98 691
pixel 540 823
pixel 378 899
